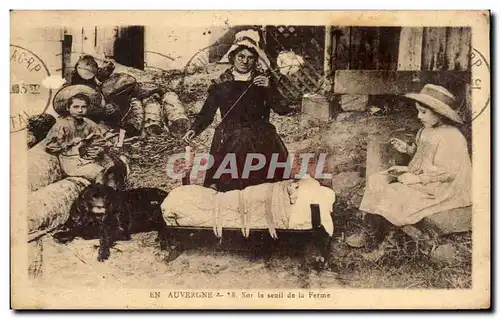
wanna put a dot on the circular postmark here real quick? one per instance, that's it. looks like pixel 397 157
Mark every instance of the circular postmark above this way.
pixel 28 97
pixel 480 83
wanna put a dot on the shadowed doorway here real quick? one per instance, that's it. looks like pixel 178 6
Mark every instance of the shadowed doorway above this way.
pixel 129 46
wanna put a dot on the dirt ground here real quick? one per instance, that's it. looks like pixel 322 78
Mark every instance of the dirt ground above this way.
pixel 139 263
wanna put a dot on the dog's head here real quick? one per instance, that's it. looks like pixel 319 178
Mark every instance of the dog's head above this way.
pixel 97 199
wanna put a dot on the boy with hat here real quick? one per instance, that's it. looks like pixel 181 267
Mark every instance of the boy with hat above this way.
pixel 79 142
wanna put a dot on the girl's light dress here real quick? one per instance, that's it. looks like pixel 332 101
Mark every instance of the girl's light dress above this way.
pixel 442 162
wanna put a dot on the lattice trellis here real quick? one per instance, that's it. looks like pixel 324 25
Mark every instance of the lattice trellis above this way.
pixel 286 31
pixel 304 42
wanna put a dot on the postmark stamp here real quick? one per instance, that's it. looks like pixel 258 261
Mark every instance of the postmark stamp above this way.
pixel 28 96
pixel 480 83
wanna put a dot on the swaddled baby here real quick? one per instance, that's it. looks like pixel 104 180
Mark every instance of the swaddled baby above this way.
pixel 280 205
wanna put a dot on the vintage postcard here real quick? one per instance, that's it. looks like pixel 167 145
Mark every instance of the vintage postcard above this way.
pixel 250 159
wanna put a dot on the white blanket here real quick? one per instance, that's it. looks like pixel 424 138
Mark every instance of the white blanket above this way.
pixel 281 205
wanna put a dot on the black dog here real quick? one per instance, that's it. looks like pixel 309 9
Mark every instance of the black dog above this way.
pixel 101 212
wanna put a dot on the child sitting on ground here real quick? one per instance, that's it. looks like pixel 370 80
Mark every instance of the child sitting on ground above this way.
pixel 437 179
pixel 80 143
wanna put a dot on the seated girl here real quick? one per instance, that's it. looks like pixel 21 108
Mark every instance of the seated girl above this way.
pixel 438 178
pixel 80 143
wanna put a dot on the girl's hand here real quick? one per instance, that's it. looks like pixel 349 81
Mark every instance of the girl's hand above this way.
pixel 409 178
pixel 397 170
pixel 399 145
pixel 77 141
pixel 110 108
pixel 94 151
pixel 261 80
pixel 188 137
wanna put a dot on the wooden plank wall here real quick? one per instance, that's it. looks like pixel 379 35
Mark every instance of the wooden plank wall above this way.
pixel 446 49
pixel 434 49
pixel 341 44
pixel 391 61
pixel 410 49
pixel 419 50
pixel 394 48
pixel 365 48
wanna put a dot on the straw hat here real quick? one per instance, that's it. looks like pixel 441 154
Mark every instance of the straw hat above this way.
pixel 86 67
pixel 438 99
pixel 251 39
pixel 62 96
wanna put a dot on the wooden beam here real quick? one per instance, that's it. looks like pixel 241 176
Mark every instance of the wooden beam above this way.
pixel 375 50
pixel 342 48
pixel 67 67
pixel 410 49
pixel 434 47
pixel 327 64
pixel 377 82
pixel 315 216
pixel 388 48
pixel 465 49
pixel 458 43
pixel 356 49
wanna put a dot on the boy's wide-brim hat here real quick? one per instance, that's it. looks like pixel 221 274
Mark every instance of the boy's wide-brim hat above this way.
pixel 61 98
pixel 438 99
pixel 250 39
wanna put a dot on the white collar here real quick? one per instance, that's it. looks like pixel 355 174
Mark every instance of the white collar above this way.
pixel 242 76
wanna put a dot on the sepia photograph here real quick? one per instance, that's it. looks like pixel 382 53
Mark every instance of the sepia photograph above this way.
pixel 255 165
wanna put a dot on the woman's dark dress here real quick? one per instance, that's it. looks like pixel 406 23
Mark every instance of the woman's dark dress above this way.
pixel 245 130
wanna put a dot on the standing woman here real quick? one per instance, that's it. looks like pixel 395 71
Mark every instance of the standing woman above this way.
pixel 245 98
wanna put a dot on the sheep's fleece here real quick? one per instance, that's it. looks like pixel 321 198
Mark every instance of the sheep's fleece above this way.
pixel 280 205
